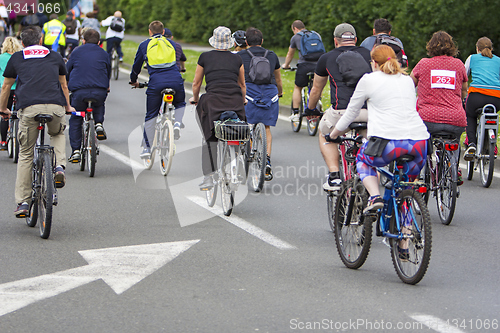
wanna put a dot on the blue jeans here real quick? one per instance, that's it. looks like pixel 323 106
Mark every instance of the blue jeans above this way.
pixel 75 122
pixel 114 41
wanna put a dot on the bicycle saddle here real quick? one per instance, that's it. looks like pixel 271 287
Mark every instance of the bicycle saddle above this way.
pixel 361 125
pixel 91 100
pixel 44 118
pixel 168 91
pixel 405 158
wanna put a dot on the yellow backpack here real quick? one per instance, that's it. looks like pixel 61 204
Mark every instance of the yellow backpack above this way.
pixel 160 53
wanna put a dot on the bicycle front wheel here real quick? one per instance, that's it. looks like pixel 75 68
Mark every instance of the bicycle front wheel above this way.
pixel 91 149
pixel 427 179
pixel 211 194
pixel 226 192
pixel 313 122
pixel 258 154
pixel 115 65
pixel 446 192
pixel 411 255
pixel 13 141
pixel 47 190
pixel 297 123
pixel 487 161
pixel 166 148
pixel 83 146
pixel 352 229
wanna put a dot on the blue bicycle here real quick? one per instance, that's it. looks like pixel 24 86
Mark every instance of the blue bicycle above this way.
pixel 404 221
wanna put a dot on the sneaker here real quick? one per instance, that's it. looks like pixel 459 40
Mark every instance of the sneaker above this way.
pixel 75 156
pixel 207 184
pixel 3 145
pixel 460 180
pixel 177 131
pixel 269 172
pixel 22 210
pixel 121 59
pixel 146 153
pixel 101 133
pixel 333 182
pixel 60 177
pixel 374 203
pixel 295 115
pixel 470 152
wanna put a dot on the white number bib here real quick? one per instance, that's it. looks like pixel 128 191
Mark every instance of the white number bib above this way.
pixel 443 79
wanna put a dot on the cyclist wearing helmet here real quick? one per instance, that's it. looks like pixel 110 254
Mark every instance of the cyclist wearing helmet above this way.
pixel 240 41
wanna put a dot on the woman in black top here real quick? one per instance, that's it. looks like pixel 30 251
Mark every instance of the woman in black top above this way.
pixel 225 91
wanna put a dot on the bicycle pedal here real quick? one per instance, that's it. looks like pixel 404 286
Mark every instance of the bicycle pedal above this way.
pixel 55 200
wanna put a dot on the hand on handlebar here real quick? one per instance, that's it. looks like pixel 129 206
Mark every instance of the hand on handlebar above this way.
pixel 5 113
pixel 337 139
pixel 192 101
pixel 134 84
pixel 311 112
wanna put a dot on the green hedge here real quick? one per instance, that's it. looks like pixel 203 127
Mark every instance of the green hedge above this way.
pixel 413 21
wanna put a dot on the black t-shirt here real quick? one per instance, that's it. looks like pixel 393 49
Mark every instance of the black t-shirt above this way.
pixel 327 66
pixel 37 79
pixel 222 68
pixel 259 51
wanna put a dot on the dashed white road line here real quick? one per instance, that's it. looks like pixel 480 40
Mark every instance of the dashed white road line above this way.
pixel 246 226
pixel 435 323
pixel 120 157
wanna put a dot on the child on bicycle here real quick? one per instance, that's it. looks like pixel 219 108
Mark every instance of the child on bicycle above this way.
pixel 160 57
pixel 394 126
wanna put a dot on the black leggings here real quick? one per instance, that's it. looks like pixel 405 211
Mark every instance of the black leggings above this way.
pixel 476 101
pixel 4 125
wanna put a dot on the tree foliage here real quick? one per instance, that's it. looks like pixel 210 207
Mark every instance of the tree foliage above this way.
pixel 413 21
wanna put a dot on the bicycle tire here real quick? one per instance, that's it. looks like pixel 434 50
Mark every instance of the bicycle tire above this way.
pixel 83 146
pixel 352 229
pixel 226 192
pixel 148 162
pixel 47 190
pixel 91 148
pixel 166 146
pixel 487 161
pixel 211 195
pixel 470 169
pixel 446 191
pixel 115 65
pixel 296 125
pixel 32 217
pixel 427 179
pixel 257 165
pixel 13 143
pixel 413 268
pixel 330 209
pixel 313 123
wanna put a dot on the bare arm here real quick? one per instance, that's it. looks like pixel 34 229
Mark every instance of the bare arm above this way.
pixel 279 83
pixel 4 95
pixel 289 57
pixel 64 87
pixel 197 81
pixel 415 80
pixel 241 83
pixel 317 89
pixel 465 87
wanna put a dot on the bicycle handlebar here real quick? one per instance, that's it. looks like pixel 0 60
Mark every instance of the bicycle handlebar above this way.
pixel 141 85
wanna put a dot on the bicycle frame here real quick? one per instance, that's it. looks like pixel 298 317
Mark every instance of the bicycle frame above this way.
pixel 399 180
pixel 487 123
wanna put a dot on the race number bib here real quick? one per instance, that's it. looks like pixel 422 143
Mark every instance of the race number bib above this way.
pixel 443 79
pixel 35 51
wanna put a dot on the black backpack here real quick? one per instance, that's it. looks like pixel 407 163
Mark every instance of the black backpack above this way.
pixel 117 24
pixel 32 20
pixel 352 66
pixel 260 69
pixel 70 26
pixel 395 45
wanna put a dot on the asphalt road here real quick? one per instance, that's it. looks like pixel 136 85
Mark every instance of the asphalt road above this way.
pixel 271 267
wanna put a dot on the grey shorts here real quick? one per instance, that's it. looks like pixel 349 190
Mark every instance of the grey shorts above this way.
pixel 332 116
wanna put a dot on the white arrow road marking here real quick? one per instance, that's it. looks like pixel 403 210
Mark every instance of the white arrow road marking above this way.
pixel 119 267
pixel 435 323
pixel 246 226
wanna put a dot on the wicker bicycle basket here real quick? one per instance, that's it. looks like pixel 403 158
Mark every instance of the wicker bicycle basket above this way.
pixel 232 130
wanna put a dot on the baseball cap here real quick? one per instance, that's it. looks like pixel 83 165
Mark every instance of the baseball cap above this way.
pixel 344 30
pixel 167 32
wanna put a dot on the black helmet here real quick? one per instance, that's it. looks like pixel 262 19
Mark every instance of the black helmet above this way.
pixel 239 37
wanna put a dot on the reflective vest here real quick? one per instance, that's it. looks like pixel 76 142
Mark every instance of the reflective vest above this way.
pixel 52 30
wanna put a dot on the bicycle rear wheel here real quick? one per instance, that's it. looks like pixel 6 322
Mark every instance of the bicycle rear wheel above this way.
pixel 487 161
pixel 427 179
pixel 446 192
pixel 411 255
pixel 470 169
pixel 166 147
pixel 115 64
pixel 226 192
pixel 91 150
pixel 32 218
pixel 83 146
pixel 330 208
pixel 211 194
pixel 13 141
pixel 297 123
pixel 47 190
pixel 352 229
pixel 313 123
pixel 258 154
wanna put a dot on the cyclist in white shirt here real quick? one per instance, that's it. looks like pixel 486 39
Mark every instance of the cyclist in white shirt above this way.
pixel 115 33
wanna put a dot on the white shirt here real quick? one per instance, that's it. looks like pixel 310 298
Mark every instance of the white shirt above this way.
pixel 391 103
pixel 111 33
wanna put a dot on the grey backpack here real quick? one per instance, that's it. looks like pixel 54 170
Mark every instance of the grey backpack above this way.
pixel 260 69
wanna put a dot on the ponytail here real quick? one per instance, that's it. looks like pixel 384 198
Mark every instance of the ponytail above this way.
pixel 385 57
